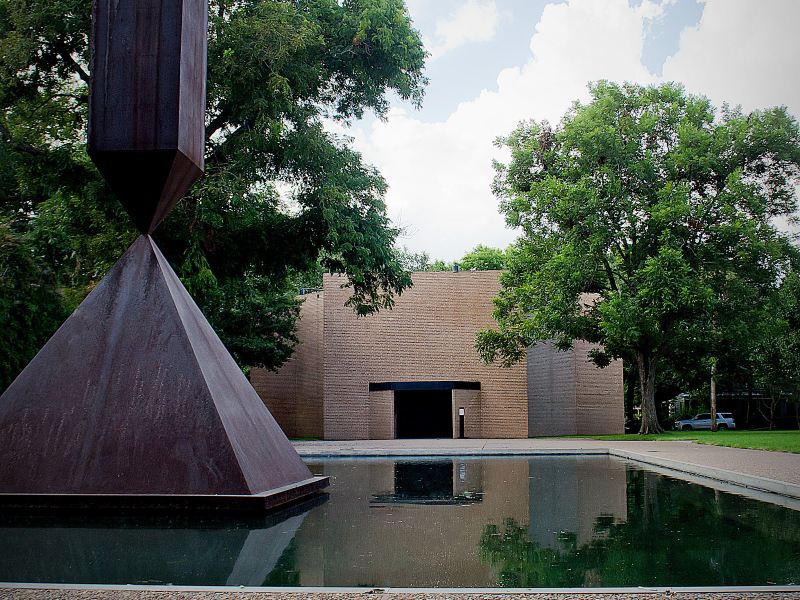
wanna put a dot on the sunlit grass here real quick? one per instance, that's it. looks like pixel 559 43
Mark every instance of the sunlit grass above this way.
pixel 779 441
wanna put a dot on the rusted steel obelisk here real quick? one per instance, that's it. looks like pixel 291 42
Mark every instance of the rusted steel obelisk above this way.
pixel 134 401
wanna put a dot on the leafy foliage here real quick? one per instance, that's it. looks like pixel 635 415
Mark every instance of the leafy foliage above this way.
pixel 775 352
pixel 672 532
pixel 282 197
pixel 480 258
pixel 30 309
pixel 414 261
pixel 483 258
pixel 646 222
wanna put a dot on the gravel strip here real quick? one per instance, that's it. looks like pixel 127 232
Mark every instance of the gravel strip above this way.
pixel 62 594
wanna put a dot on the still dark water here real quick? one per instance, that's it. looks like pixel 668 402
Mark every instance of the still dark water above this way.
pixel 517 522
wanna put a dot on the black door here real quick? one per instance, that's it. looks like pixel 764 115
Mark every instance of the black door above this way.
pixel 423 413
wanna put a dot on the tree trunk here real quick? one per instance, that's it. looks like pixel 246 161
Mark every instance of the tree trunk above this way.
pixel 647 382
pixel 770 407
pixel 749 402
pixel 630 392
pixel 713 394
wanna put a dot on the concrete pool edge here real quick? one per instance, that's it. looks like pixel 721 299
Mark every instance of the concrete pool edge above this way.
pixel 734 478
pixel 782 492
pixel 739 480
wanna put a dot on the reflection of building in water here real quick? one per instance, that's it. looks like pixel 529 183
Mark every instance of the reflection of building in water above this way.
pixel 190 549
pixel 569 496
pixel 434 482
pixel 387 523
pixel 396 543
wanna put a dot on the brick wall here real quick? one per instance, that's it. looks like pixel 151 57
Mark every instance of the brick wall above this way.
pixel 294 394
pixel 551 391
pixel 470 401
pixel 569 395
pixel 599 394
pixel 428 336
pixel 381 415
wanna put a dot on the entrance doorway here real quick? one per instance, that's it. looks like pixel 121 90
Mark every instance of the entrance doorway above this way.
pixel 423 413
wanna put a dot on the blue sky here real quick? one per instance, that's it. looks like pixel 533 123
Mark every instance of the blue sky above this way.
pixel 460 75
pixel 496 62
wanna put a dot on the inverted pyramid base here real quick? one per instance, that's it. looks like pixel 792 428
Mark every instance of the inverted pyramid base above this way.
pixel 135 402
pixel 274 499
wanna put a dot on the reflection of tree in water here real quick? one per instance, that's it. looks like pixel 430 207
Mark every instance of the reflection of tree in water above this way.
pixel 675 534
pixel 286 572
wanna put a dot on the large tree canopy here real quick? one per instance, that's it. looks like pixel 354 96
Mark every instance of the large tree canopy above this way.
pixel 483 258
pixel 659 206
pixel 480 258
pixel 281 195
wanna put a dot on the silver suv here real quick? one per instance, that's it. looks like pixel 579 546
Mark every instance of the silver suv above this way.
pixel 703 421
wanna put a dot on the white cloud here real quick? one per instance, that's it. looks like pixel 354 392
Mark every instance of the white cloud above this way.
pixel 440 173
pixel 745 53
pixel 474 21
pixel 742 52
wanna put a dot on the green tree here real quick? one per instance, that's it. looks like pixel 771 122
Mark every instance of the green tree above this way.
pixel 672 532
pixel 30 307
pixel 775 352
pixel 282 197
pixel 439 265
pixel 636 213
pixel 414 261
pixel 483 258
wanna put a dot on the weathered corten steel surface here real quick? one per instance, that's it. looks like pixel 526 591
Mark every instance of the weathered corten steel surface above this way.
pixel 135 394
pixel 147 101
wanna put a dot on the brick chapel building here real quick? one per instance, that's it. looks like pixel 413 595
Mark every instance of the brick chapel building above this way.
pixel 414 372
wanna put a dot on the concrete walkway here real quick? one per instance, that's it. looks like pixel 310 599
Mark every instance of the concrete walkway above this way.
pixel 760 470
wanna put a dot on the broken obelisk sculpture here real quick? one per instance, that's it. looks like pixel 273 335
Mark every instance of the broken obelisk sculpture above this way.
pixel 134 401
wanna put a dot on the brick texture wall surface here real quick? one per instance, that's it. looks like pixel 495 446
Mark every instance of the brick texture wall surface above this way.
pixel 551 391
pixel 323 390
pixel 428 336
pixel 470 401
pixel 381 415
pixel 599 395
pixel 569 395
pixel 294 393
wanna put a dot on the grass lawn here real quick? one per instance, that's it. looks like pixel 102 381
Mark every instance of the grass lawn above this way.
pixel 781 441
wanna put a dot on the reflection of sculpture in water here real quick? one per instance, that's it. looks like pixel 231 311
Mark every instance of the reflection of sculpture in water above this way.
pixel 674 532
pixel 148 548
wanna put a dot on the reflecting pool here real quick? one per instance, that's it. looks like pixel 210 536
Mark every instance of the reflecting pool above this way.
pixel 517 522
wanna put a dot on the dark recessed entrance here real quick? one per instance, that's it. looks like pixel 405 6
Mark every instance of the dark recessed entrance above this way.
pixel 423 413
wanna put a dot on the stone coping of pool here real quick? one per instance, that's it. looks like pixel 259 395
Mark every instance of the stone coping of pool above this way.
pixel 759 471
pixel 28 591
pixel 263 502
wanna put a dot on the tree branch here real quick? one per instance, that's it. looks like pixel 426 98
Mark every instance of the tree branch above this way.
pixel 610 274
pixel 66 55
pixel 25 147
pixel 218 152
pixel 216 124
